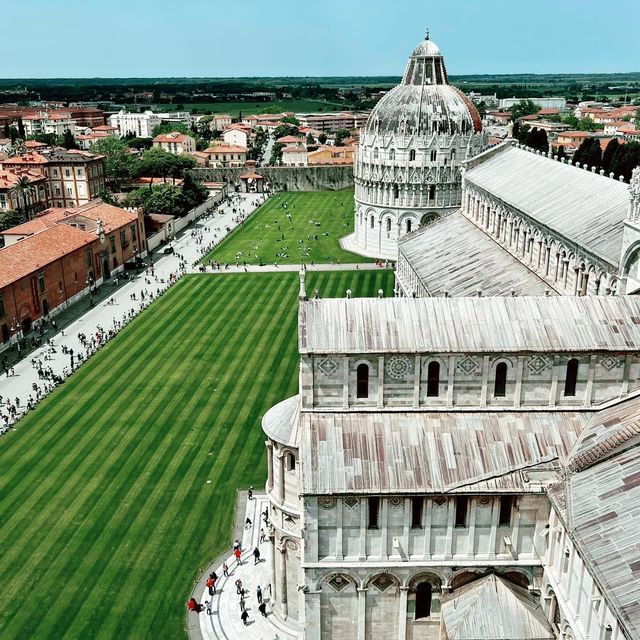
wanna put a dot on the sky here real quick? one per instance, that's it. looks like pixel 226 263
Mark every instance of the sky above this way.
pixel 195 38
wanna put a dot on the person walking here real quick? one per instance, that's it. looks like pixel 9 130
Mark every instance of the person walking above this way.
pixel 244 616
pixel 247 523
pixel 262 536
pixel 238 586
pixel 238 554
pixel 259 594
pixel 211 585
pixel 250 492
pixel 262 608
pixel 256 555
pixel 193 605
pixel 225 569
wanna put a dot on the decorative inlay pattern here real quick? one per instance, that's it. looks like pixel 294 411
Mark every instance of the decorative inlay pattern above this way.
pixel 610 363
pixel 327 503
pixel 328 366
pixel 537 364
pixel 382 582
pixel 467 365
pixel 399 367
pixel 351 502
pixel 338 582
pixel 395 503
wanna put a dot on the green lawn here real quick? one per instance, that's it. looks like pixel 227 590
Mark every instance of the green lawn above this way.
pixel 104 503
pixel 318 221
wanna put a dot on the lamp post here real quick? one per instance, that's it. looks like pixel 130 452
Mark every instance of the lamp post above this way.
pixel 90 285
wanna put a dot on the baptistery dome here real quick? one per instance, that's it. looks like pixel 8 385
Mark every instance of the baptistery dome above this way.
pixel 407 170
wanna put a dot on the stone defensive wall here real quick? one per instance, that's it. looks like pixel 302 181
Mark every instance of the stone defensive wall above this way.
pixel 321 178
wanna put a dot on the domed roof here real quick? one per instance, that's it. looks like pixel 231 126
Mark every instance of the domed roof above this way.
pixel 424 102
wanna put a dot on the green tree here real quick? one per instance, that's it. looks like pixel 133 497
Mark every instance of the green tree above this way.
pixel 626 159
pixel 276 153
pixel 140 143
pixel 193 191
pixel 7 131
pixel 523 108
pixel 322 138
pixel 589 153
pixel 341 135
pixel 560 152
pixel 609 154
pixel 286 130
pixel 69 142
pixel 21 133
pixel 170 128
pixel 120 165
pixel 310 138
pixel 482 109
pixel 24 192
pixel 165 199
pixel 587 124
pixel 537 139
pixel 290 120
pixel 11 218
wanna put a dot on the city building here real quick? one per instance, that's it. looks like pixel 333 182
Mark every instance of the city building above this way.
pixel 408 165
pixel 49 123
pixel 294 156
pixel 220 121
pixel 430 482
pixel 175 143
pixel 224 155
pixel 74 178
pixel 55 258
pixel 332 155
pixel 543 103
pixel 334 121
pixel 23 190
pixel 87 140
pixel 139 124
pixel 238 135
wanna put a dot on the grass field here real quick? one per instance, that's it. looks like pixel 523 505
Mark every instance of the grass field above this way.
pixel 104 503
pixel 318 221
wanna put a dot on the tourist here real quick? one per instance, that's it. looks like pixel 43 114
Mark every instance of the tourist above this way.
pixel 250 492
pixel 259 594
pixel 263 537
pixel 262 608
pixel 256 555
pixel 225 569
pixel 247 523
pixel 236 544
pixel 193 605
pixel 238 586
pixel 211 585
pixel 238 554
pixel 244 616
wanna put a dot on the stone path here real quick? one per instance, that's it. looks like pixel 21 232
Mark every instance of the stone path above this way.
pixel 117 305
pixel 282 268
pixel 220 618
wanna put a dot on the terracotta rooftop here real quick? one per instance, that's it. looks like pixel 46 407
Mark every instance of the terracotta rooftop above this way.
pixel 226 148
pixel 174 136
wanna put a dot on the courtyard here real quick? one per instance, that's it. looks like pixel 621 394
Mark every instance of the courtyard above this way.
pixel 122 483
pixel 293 228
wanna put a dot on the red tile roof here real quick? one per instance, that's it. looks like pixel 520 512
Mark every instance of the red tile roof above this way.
pixel 174 136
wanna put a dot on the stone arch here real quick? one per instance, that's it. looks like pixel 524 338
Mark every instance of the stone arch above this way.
pixel 430 575
pixel 517 576
pixel 465 576
pixel 371 577
pixel 429 217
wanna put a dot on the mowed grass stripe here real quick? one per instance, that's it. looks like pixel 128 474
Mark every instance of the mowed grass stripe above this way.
pixel 158 518
pixel 96 481
pixel 148 441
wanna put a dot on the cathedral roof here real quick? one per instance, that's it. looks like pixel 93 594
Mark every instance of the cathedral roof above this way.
pixel 281 422
pixel 378 452
pixel 585 208
pixel 452 255
pixel 466 325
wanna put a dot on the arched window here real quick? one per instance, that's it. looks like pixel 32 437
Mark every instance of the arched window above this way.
pixel 392 154
pixel 432 192
pixel 290 462
pixel 500 386
pixel 396 191
pixel 375 153
pixel 434 155
pixel 373 222
pixel 388 225
pixel 453 154
pixel 362 381
pixel 412 155
pixel 571 379
pixel 434 127
pixel 433 379
pixel 423 600
pixel 408 226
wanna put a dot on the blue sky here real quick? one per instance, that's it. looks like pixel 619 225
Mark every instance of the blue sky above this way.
pixel 85 38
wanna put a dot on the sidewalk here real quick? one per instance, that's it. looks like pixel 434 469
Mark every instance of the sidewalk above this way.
pixel 81 320
pixel 223 621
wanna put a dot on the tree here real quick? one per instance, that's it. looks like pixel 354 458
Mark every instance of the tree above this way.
pixel 341 135
pixel 10 219
pixel 7 130
pixel 107 197
pixel 537 139
pixel 626 159
pixel 290 120
pixel 21 132
pixel 276 153
pixel 193 191
pixel 589 153
pixel 286 130
pixel 23 191
pixel 587 124
pixel 69 142
pixel 609 154
pixel 310 138
pixel 482 109
pixel 322 138
pixel 170 128
pixel 523 108
pixel 120 165
pixel 561 153
pixel 165 199
pixel 140 143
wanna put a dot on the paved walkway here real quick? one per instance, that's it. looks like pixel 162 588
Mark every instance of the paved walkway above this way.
pixel 281 268
pixel 113 312
pixel 220 618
